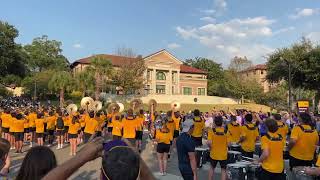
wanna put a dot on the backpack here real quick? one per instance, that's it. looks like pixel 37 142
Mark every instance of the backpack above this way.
pixel 60 123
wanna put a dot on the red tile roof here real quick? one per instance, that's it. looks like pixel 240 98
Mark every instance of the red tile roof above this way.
pixel 189 69
pixel 256 67
pixel 115 60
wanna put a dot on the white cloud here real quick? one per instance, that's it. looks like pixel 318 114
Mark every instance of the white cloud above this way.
pixel 236 37
pixel 218 7
pixel 304 13
pixel 77 46
pixel 173 46
pixel 314 36
pixel 208 11
pixel 283 30
pixel 220 4
pixel 208 19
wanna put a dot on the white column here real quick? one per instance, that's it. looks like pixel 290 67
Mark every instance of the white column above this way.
pixel 169 83
pixel 178 82
pixel 153 81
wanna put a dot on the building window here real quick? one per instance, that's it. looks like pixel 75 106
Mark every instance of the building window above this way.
pixel 172 89
pixel 160 89
pixel 201 91
pixel 261 71
pixel 148 75
pixel 187 91
pixel 173 77
pixel 161 76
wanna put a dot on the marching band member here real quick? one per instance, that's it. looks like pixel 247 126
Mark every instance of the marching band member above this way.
pixel 199 125
pixel 51 121
pixel 234 130
pixel 91 127
pixel 129 126
pixel 140 120
pixel 60 129
pixel 12 130
pixel 164 139
pixel 249 136
pixel 218 139
pixel 171 126
pixel 40 128
pixel 303 142
pixel 271 158
pixel 19 122
pixel 32 126
pixel 117 127
pixel 5 123
pixel 282 128
pixel 74 128
pixel 26 126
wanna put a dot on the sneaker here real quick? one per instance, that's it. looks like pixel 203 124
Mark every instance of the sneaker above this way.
pixel 58 147
pixel 164 173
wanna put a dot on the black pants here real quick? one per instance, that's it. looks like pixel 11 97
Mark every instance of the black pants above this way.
pixel 246 154
pixel 294 162
pixel 266 175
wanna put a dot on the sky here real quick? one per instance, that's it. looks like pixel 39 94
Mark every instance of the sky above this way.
pixel 215 29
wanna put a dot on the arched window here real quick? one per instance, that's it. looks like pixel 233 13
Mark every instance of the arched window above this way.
pixel 161 76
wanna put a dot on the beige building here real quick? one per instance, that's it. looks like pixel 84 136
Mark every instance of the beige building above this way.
pixel 165 74
pixel 259 73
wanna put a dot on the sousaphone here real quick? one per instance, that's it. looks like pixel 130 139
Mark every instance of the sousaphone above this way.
pixel 87 103
pixel 72 108
pixel 175 106
pixel 97 106
pixel 135 104
pixel 121 107
pixel 152 104
pixel 113 107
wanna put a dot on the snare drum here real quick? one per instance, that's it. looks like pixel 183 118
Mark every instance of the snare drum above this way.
pixel 286 153
pixel 253 171
pixel 201 155
pixel 236 171
pixel 298 173
pixel 233 156
pixel 235 147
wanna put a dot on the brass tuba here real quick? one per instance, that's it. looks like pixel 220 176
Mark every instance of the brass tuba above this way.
pixel 72 108
pixel 153 105
pixel 87 103
pixel 97 106
pixel 113 108
pixel 135 104
pixel 175 106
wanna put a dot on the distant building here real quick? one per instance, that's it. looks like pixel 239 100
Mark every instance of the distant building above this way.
pixel 165 74
pixel 259 73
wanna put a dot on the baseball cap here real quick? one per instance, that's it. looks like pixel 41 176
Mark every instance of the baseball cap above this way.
pixel 187 125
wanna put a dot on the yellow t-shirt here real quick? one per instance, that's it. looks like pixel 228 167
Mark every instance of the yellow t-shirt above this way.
pixel 110 117
pixel 139 120
pixel 26 123
pixel 117 128
pixel 32 117
pixel 74 128
pixel 164 137
pixel 219 143
pixel 177 123
pixel 91 126
pixel 5 118
pixel 12 127
pixel 171 126
pixel 100 122
pixel 83 120
pixel 274 162
pixel 234 131
pixel 306 143
pixel 66 120
pixel 129 127
pixel 19 125
pixel 198 127
pixel 51 122
pixel 282 130
pixel 250 135
pixel 39 125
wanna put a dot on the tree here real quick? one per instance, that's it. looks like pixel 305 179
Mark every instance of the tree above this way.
pixel 215 72
pixel 129 76
pixel 12 57
pixel 45 54
pixel 238 64
pixel 102 69
pixel 61 82
pixel 85 81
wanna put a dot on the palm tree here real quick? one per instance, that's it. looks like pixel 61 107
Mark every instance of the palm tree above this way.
pixel 85 81
pixel 102 69
pixel 61 81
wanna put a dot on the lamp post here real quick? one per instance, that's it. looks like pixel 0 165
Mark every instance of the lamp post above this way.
pixel 289 83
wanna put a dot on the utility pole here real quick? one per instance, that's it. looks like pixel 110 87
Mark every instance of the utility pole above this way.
pixel 289 81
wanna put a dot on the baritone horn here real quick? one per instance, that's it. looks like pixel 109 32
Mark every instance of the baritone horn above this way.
pixel 135 104
pixel 87 103
pixel 97 106
pixel 152 105
pixel 175 106
pixel 72 108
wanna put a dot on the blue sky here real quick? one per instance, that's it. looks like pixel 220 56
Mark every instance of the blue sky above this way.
pixel 217 29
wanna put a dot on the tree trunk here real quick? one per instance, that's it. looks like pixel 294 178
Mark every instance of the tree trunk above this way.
pixel 61 97
pixel 98 87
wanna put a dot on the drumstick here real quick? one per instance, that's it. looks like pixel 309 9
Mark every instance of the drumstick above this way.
pixel 247 158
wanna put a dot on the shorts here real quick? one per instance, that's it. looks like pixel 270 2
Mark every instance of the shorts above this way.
pixel 82 128
pixel 32 129
pixel 26 130
pixel 110 129
pixel 11 133
pixel 5 130
pixel 66 128
pixel 163 148
pixel 51 132
pixel 18 136
pixel 60 132
pixel 139 135
pixel 266 175
pixel 246 154
pixel 294 162
pixel 39 135
pixel 197 141
pixel 175 134
pixel 223 163
pixel 73 136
